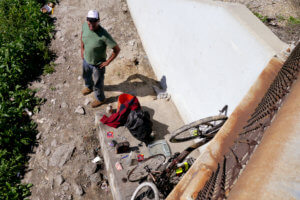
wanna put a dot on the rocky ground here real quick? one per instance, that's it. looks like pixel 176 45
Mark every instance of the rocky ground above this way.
pixel 281 16
pixel 60 166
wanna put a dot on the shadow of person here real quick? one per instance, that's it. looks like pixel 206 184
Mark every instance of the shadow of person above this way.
pixel 136 84
pixel 160 128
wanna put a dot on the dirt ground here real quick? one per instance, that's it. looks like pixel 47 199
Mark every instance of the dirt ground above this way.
pixel 276 14
pixel 61 167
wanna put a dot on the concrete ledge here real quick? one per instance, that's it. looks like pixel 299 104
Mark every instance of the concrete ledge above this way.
pixel 119 189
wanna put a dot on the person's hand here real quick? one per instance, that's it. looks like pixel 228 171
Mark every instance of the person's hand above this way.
pixel 104 64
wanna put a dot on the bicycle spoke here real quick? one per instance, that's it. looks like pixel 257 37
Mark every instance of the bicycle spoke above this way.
pixel 205 128
pixel 146 191
pixel 152 164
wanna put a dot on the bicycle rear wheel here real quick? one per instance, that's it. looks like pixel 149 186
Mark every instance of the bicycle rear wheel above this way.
pixel 140 171
pixel 145 191
pixel 207 126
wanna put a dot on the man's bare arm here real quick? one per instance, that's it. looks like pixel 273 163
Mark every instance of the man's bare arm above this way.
pixel 116 51
pixel 82 47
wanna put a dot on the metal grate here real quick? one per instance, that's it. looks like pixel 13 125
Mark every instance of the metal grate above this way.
pixel 228 171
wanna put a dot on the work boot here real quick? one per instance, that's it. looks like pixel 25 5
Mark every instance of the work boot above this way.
pixel 86 91
pixel 97 103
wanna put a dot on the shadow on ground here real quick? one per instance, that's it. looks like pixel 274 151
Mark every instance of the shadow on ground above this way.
pixel 160 128
pixel 136 84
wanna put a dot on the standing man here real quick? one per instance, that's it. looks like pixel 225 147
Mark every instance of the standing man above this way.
pixel 94 41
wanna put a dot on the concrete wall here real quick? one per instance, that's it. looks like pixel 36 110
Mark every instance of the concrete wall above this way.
pixel 210 52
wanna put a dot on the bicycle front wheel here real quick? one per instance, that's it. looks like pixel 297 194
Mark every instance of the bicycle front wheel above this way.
pixel 151 164
pixel 207 126
pixel 146 191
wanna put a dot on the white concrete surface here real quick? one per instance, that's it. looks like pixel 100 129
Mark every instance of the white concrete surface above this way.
pixel 210 52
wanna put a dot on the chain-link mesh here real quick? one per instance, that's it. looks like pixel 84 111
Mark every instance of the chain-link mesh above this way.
pixel 227 172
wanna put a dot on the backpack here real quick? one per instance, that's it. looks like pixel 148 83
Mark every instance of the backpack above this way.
pixel 139 124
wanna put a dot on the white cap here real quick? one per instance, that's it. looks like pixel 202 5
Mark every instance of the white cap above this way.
pixel 93 14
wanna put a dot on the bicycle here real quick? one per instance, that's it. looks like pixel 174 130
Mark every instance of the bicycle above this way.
pixel 204 128
pixel 162 175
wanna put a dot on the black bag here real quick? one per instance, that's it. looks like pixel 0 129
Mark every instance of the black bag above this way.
pixel 139 124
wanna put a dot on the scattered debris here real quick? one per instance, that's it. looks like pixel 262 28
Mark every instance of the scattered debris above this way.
pixel 118 166
pixel 96 160
pixel 29 113
pixel 140 157
pixel 109 109
pixel 110 134
pixel 53 101
pixel 49 8
pixel 104 185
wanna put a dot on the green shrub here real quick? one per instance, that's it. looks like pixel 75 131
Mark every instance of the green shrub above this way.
pixel 24 36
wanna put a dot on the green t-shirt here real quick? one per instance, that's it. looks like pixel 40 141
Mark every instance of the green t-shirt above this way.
pixel 95 43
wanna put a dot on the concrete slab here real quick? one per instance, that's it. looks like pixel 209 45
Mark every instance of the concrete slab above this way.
pixel 165 119
pixel 210 52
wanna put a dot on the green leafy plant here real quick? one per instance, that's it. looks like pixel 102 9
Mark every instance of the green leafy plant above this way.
pixel 25 33
pixel 293 20
pixel 49 68
pixel 261 17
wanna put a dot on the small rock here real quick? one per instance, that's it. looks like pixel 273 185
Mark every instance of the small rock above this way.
pixel 60 60
pixel 42 82
pixel 65 186
pixel 61 155
pixel 90 168
pixel 59 180
pixel 68 67
pixel 78 189
pixel 53 101
pixel 95 178
pixel 47 152
pixel 38 136
pixel 80 110
pixel 124 8
pixel 79 78
pixel 54 143
pixel 131 42
pixel 87 101
pixel 64 105
pixel 41 121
